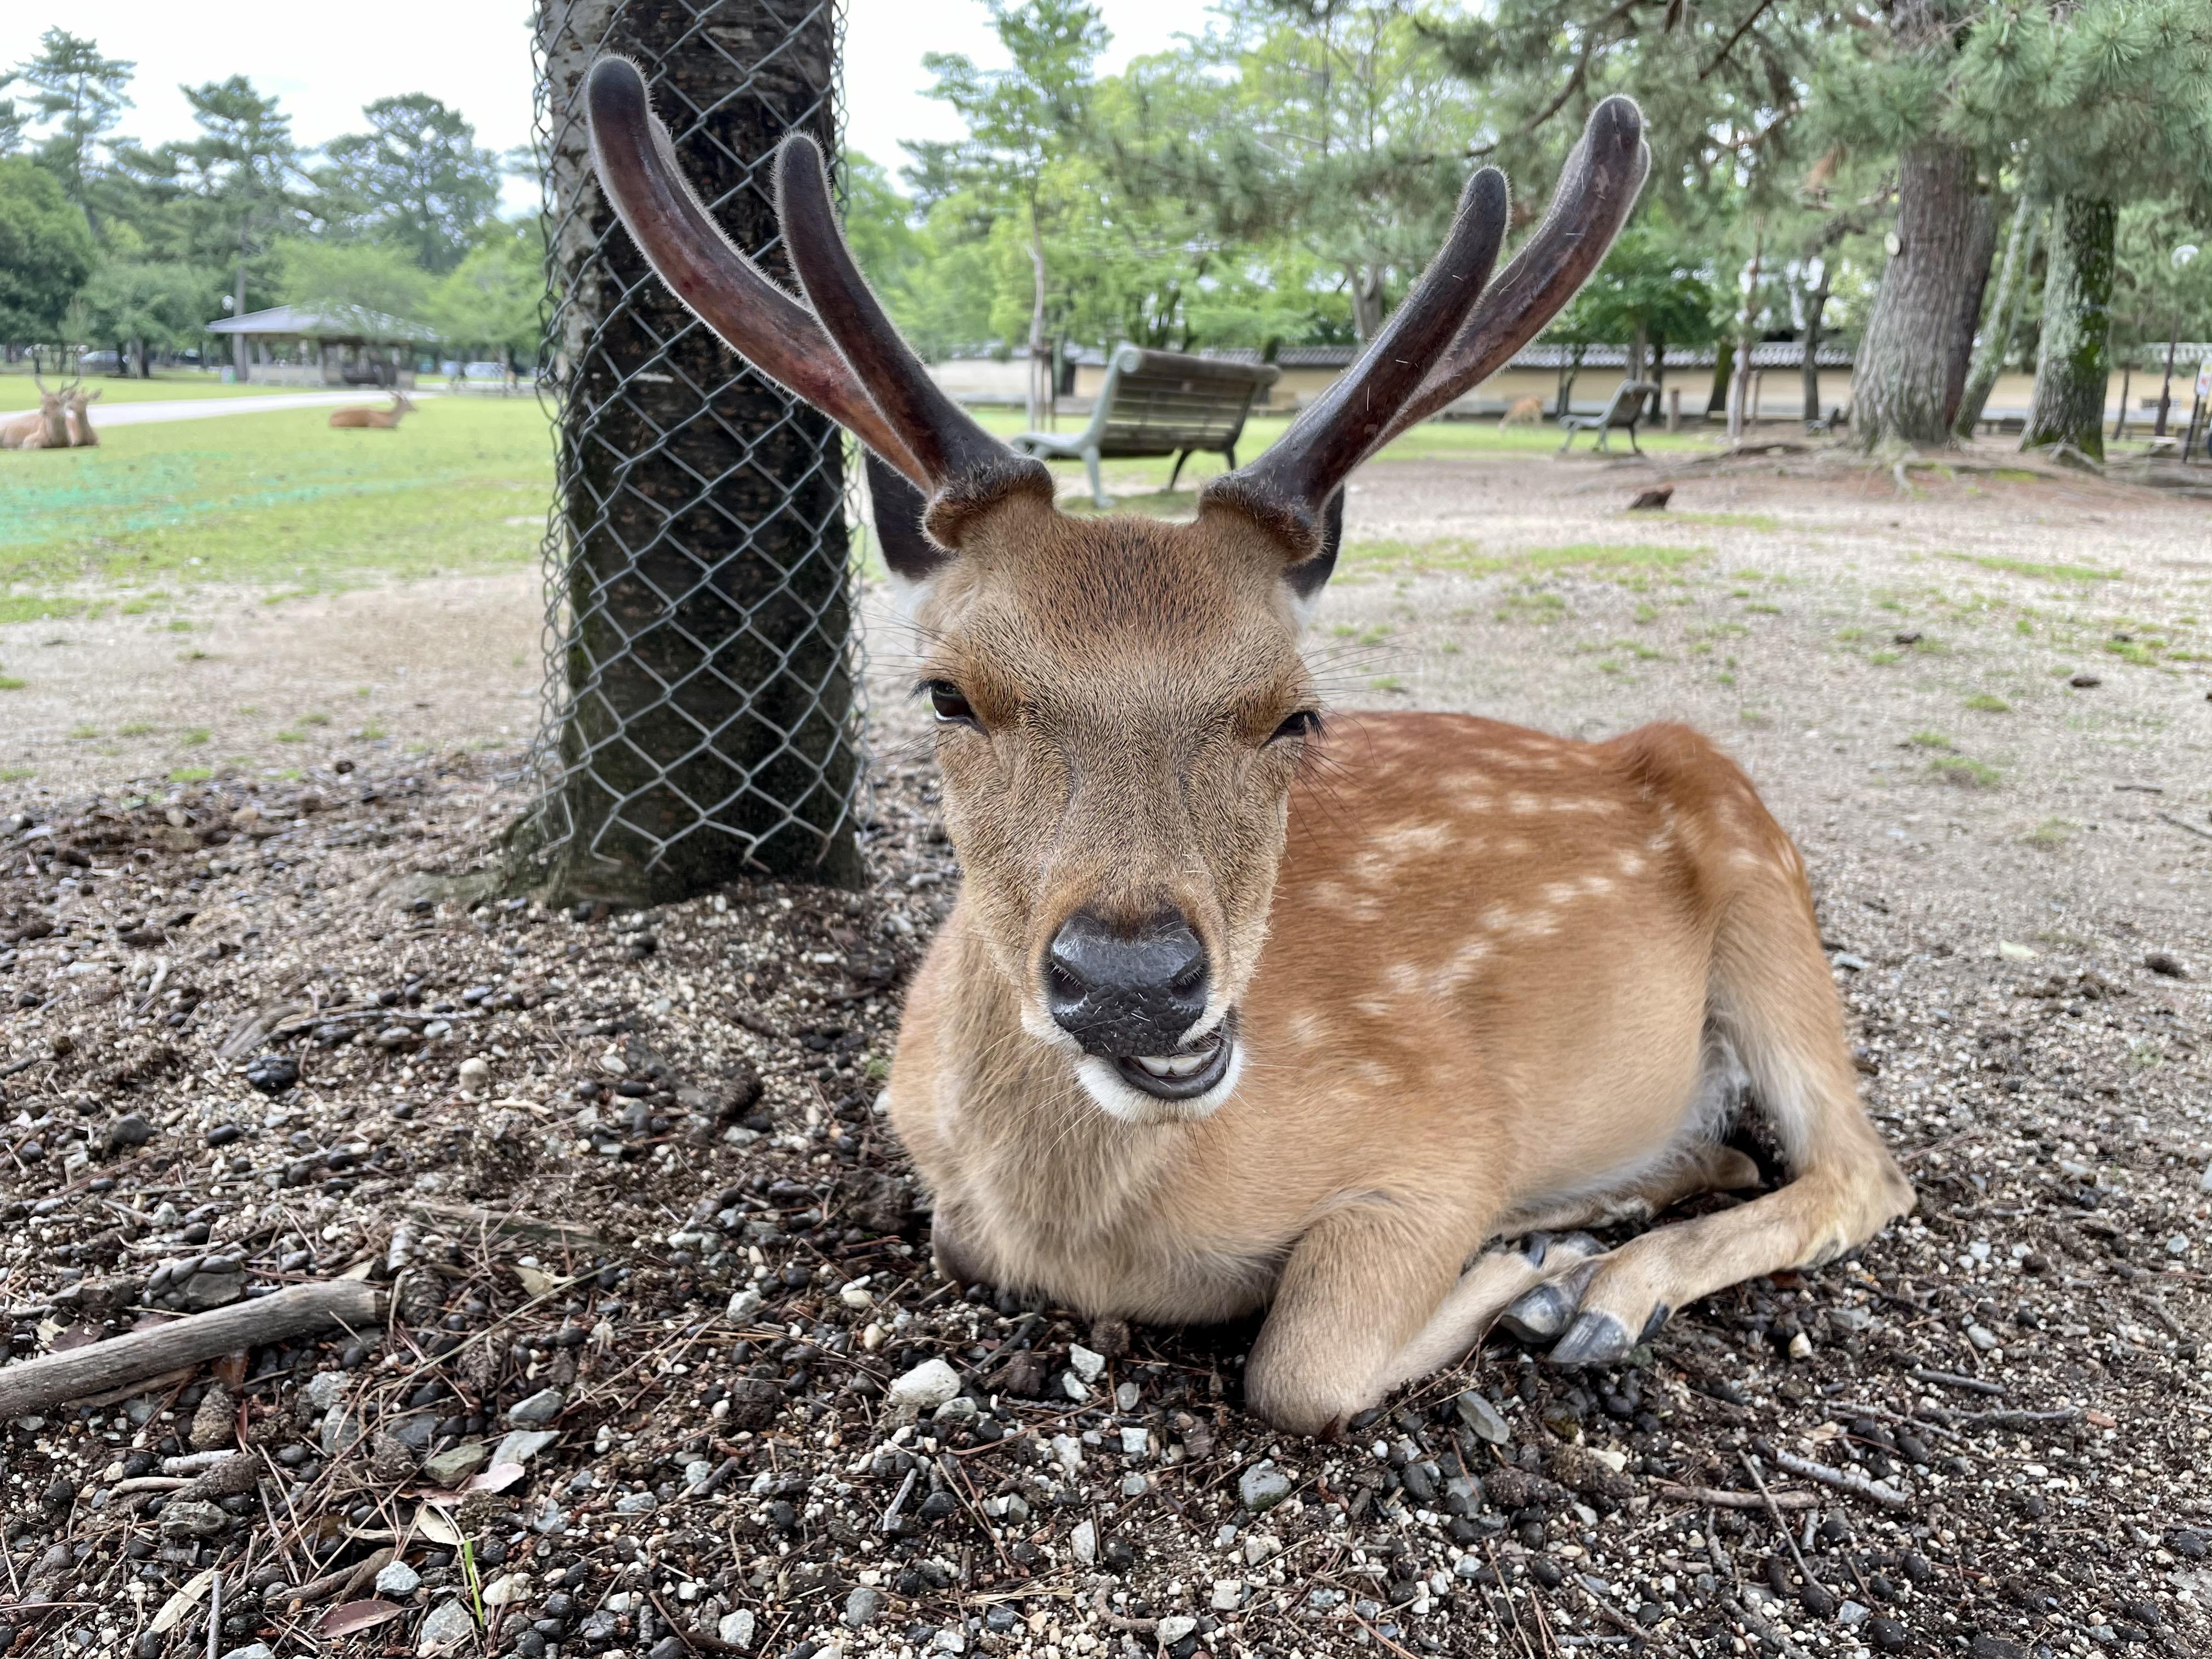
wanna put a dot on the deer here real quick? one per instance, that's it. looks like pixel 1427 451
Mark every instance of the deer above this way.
pixel 1524 412
pixel 1246 1006
pixel 78 412
pixel 46 427
pixel 380 419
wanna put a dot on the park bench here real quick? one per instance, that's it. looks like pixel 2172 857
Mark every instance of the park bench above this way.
pixel 1622 414
pixel 1160 402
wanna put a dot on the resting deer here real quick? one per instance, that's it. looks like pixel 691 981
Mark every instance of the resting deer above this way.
pixel 78 408
pixel 380 418
pixel 46 427
pixel 1242 1003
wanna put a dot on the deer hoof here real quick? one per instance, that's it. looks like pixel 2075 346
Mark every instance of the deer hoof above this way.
pixel 1595 1338
pixel 1540 1314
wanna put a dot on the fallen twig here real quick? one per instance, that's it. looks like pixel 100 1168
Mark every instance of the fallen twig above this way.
pixel 1953 1379
pixel 1849 1480
pixel 58 1378
pixel 1720 1498
pixel 2184 824
pixel 495 1225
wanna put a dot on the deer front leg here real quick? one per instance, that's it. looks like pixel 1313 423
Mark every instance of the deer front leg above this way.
pixel 1361 1285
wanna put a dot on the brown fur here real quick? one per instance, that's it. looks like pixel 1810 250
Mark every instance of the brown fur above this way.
pixel 380 419
pixel 79 412
pixel 46 427
pixel 1480 974
pixel 1526 412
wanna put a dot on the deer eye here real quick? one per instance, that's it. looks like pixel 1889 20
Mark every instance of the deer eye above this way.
pixel 950 708
pixel 1306 723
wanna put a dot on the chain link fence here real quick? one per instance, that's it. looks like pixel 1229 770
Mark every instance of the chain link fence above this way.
pixel 702 705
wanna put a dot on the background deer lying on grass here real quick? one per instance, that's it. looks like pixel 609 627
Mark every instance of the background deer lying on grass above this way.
pixel 362 417
pixel 1238 1008
pixel 46 427
pixel 77 409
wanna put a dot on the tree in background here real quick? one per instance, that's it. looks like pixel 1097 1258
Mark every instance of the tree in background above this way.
pixel 1023 122
pixel 2110 101
pixel 1652 293
pixel 2165 272
pixel 492 297
pixel 13 117
pixel 347 277
pixel 142 306
pixel 417 177
pixel 80 95
pixel 47 253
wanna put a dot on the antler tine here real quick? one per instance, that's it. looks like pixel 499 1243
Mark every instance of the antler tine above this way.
pixel 943 437
pixel 1597 187
pixel 692 253
pixel 1338 431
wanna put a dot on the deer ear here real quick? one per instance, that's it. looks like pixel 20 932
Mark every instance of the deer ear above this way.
pixel 1309 576
pixel 897 506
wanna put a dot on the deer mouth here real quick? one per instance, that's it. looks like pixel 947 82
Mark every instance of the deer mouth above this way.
pixel 1187 1074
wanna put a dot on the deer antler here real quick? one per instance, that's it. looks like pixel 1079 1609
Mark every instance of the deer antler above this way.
pixel 951 446
pixel 772 330
pixel 1598 185
pixel 1285 486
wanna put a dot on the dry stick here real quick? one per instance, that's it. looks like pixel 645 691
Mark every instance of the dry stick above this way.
pixel 697 1640
pixel 1751 1466
pixel 1720 1498
pixel 56 1378
pixel 2184 824
pixel 1848 1480
pixel 1953 1379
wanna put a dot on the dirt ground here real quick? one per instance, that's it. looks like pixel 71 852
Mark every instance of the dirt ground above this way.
pixel 1980 704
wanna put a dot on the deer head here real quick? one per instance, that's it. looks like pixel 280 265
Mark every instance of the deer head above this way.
pixel 1121 703
pixel 53 412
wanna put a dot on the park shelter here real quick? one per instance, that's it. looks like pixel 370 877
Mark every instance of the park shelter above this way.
pixel 325 345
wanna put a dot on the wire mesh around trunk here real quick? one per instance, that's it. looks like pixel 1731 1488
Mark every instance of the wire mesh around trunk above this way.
pixel 701 716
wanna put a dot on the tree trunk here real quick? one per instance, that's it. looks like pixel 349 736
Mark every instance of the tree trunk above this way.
pixel 1723 375
pixel 238 357
pixel 2074 364
pixel 1911 368
pixel 1808 371
pixel 708 691
pixel 1037 365
pixel 1745 322
pixel 2004 320
pixel 1366 302
pixel 2166 386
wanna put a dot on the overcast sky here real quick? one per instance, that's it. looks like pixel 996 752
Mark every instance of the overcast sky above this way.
pixel 325 60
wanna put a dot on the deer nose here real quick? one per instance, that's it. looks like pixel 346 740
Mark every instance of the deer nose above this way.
pixel 1121 992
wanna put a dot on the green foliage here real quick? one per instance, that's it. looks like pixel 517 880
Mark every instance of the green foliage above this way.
pixel 1649 288
pixel 492 297
pixel 46 251
pixel 417 177
pixel 161 302
pixel 379 277
pixel 80 94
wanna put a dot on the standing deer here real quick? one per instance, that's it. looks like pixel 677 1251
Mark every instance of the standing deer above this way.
pixel 1244 1004
pixel 46 427
pixel 379 418
pixel 78 408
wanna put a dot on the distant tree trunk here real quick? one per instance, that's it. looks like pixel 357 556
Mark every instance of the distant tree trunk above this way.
pixel 2074 363
pixel 238 347
pixel 2004 318
pixel 1808 371
pixel 1723 373
pixel 1911 368
pixel 1034 397
pixel 2165 387
pixel 708 686
pixel 1747 323
pixel 1366 282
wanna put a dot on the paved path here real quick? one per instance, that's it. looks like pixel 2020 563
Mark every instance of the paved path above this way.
pixel 193 408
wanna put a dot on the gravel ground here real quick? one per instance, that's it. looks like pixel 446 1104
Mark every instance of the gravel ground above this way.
pixel 627 1173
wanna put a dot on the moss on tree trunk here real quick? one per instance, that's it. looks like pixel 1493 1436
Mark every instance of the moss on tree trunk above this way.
pixel 2075 362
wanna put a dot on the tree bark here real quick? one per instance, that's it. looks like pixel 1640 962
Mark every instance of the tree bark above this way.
pixel 1911 369
pixel 1038 366
pixel 1808 371
pixel 709 690
pixel 2074 363
pixel 1745 322
pixel 2004 318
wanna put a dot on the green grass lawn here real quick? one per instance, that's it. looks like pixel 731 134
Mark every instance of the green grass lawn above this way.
pixel 277 498
pixel 280 499
pixel 18 390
